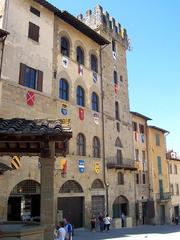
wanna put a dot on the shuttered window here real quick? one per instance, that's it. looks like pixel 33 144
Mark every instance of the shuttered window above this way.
pixel 33 32
pixel 30 77
pixel 35 11
pixel 159 165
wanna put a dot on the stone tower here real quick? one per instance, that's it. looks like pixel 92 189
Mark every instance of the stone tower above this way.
pixel 118 138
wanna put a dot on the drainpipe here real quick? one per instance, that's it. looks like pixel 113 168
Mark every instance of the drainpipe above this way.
pixel 103 131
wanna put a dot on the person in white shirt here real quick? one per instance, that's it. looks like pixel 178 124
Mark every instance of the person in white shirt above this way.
pixel 61 233
pixel 107 222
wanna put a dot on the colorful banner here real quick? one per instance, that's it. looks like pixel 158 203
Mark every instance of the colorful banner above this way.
pixel 142 137
pixel 114 55
pixel 64 62
pixel 80 69
pixel 116 88
pixel 96 118
pixel 63 166
pixel 95 77
pixel 97 168
pixel 30 98
pixel 81 113
pixel 64 109
pixel 81 166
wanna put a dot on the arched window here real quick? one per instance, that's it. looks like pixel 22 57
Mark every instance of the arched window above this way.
pixel 96 147
pixel 65 46
pixel 113 46
pixel 115 78
pixel 117 110
pixel 81 145
pixel 80 55
pixel 94 63
pixel 118 143
pixel 95 102
pixel 80 96
pixel 97 184
pixel 71 186
pixel 63 89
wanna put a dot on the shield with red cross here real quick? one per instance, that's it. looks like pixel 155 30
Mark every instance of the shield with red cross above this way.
pixel 30 98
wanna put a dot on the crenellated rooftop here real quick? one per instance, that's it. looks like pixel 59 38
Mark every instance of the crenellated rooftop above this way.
pixel 99 17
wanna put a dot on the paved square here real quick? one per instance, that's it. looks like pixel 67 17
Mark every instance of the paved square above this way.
pixel 167 232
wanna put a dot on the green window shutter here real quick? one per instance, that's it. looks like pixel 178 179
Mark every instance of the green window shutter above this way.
pixel 159 165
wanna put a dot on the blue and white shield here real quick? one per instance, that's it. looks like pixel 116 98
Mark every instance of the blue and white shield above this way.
pixel 81 166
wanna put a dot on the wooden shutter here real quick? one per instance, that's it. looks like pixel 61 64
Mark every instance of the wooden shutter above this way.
pixel 39 80
pixel 22 74
pixel 33 32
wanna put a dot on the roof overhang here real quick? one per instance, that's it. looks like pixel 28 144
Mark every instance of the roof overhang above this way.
pixel 32 137
pixel 159 129
pixel 74 22
pixel 140 115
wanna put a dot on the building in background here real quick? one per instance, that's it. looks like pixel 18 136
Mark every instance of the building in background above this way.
pixel 144 204
pixel 174 178
pixel 158 174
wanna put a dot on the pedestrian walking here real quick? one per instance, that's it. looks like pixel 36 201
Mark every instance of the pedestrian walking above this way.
pixel 93 222
pixel 61 232
pixel 107 222
pixel 176 220
pixel 101 222
pixel 123 219
pixel 69 229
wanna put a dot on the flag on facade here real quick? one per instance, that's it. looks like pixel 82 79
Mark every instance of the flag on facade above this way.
pixel 80 69
pixel 30 98
pixel 81 166
pixel 94 77
pixel 81 113
pixel 15 162
pixel 63 166
pixel 64 62
pixel 116 88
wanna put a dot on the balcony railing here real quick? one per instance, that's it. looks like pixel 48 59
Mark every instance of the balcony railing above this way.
pixel 126 164
pixel 164 196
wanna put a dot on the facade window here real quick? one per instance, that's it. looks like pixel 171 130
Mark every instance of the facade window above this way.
pixel 143 156
pixel 117 110
pixel 96 147
pixel 118 126
pixel 119 157
pixel 170 168
pixel 113 46
pixel 115 78
pixel 141 128
pixel 30 77
pixel 172 189
pixel 120 178
pixel 80 55
pixel 95 102
pixel 161 187
pixel 94 63
pixel 177 189
pixel 81 145
pixel 35 11
pixel 64 89
pixel 134 126
pixel 118 143
pixel 136 154
pixel 33 32
pixel 159 165
pixel 175 169
pixel 121 78
pixel 144 178
pixel 80 96
pixel 157 140
pixel 137 178
pixel 65 46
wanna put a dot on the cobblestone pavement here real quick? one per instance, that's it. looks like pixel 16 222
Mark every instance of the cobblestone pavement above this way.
pixel 166 232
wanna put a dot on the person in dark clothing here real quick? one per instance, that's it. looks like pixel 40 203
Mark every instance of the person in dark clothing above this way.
pixel 93 223
pixel 101 222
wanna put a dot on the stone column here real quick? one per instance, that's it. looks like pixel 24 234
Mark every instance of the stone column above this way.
pixel 47 161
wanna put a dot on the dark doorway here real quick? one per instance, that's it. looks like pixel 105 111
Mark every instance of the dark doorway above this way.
pixel 35 207
pixel 14 209
pixel 162 214
pixel 98 205
pixel 120 206
pixel 72 209
pixel 176 211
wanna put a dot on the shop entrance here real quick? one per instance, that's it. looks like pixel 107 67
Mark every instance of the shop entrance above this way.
pixel 24 202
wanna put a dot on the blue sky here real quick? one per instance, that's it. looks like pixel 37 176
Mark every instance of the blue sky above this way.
pixel 154 62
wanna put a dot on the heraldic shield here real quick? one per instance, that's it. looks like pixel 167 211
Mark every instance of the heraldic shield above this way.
pixel 81 166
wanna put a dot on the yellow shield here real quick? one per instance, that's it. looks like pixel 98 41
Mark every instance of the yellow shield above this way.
pixel 97 168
